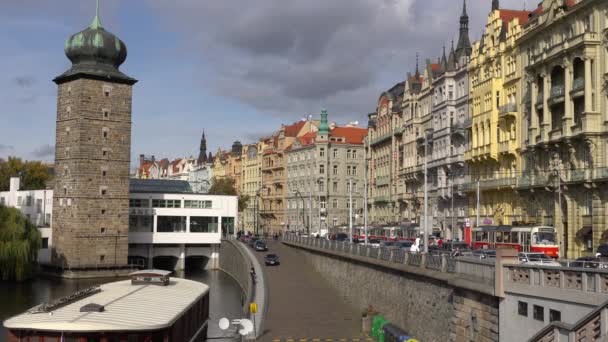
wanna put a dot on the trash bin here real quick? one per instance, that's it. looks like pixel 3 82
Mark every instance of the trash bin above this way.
pixel 381 332
pixel 377 324
pixel 393 333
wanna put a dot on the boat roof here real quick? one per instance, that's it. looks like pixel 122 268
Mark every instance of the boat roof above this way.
pixel 127 307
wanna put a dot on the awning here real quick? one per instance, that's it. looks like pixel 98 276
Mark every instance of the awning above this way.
pixel 583 232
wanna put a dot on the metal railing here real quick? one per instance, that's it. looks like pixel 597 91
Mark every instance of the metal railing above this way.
pixel 440 262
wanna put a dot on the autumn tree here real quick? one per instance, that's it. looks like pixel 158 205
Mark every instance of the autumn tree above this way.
pixel 34 175
pixel 226 186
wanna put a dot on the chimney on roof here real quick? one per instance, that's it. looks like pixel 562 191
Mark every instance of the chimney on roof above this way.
pixel 153 159
pixel 141 160
pixel 495 5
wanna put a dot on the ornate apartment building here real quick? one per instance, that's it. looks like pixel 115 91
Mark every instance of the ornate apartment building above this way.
pixel 321 168
pixel 493 155
pixel 274 175
pixel 383 143
pixel 251 182
pixel 92 153
pixel 563 49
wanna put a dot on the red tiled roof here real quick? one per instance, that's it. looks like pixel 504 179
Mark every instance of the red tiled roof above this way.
pixel 434 67
pixel 507 15
pixel 163 163
pixel 294 129
pixel 307 138
pixel 353 135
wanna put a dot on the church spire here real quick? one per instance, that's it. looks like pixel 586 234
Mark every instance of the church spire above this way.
pixel 417 70
pixel 202 156
pixel 463 48
pixel 96 24
pixel 495 5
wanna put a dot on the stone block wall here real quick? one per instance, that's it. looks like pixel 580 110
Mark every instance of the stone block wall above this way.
pixel 92 160
pixel 428 309
pixel 236 264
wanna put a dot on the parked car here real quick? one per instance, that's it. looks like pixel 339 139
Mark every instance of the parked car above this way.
pixel 245 238
pixel 542 259
pixel 260 245
pixel 271 259
pixel 484 254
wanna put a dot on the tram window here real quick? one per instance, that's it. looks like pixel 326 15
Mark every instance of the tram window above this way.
pixel 498 236
pixel 507 237
pixel 514 238
pixel 478 236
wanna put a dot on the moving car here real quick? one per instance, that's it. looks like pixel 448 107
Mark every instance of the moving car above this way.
pixel 535 258
pixel 342 237
pixel 387 244
pixel 271 259
pixel 260 245
pixel 587 262
pixel 252 241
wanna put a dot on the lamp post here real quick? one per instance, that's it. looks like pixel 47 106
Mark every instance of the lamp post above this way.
pixel 257 195
pixel 319 182
pixel 365 191
pixel 560 231
pixel 350 209
pixel 297 193
pixel 427 132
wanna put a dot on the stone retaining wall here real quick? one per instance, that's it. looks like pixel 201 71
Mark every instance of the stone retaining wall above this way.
pixel 428 309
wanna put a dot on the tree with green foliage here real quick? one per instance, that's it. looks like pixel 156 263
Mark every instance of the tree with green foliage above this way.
pixel 19 244
pixel 226 186
pixel 34 174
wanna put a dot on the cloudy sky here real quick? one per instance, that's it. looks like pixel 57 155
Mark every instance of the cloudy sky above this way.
pixel 236 68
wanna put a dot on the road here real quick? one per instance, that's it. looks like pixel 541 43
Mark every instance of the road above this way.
pixel 301 304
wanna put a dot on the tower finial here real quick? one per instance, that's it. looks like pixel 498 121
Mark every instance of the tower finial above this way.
pixel 464 8
pixel 417 71
pixel 96 24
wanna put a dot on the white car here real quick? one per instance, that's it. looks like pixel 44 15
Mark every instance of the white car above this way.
pixel 540 259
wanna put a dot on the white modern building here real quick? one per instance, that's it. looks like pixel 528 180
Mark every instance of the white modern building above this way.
pixel 166 220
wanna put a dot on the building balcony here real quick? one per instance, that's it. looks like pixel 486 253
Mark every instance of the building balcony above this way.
pixel 383 180
pixel 535 179
pixel 557 94
pixel 540 103
pixel 398 130
pixel 444 192
pixel 587 123
pixel 470 184
pixel 555 134
pixel 381 199
pixel 379 139
pixel 587 220
pixel 507 110
pixel 578 87
pixel 507 147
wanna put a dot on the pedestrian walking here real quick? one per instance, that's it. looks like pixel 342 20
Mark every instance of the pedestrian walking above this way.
pixel 416 246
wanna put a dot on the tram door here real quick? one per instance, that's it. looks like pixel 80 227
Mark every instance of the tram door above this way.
pixel 525 241
pixel 492 240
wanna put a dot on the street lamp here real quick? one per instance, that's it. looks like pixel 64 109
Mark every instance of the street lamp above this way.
pixel 257 195
pixel 319 182
pixel 297 193
pixel 427 132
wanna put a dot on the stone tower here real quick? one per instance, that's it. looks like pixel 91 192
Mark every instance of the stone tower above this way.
pixel 92 152
pixel 202 156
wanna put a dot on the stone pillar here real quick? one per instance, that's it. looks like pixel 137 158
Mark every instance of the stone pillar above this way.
pixel 546 124
pixel 588 90
pixel 181 261
pixel 573 225
pixel 150 256
pixel 214 259
pixel 569 105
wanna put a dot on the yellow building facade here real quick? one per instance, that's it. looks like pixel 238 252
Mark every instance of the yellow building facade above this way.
pixel 493 155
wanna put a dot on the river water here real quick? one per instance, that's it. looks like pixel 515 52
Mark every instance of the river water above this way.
pixel 225 296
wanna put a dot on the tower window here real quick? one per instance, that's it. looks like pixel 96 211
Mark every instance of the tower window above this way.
pixel 103 190
pixel 107 90
pixel 102 258
pixel 104 173
pixel 106 113
pixel 103 211
pixel 103 230
pixel 105 133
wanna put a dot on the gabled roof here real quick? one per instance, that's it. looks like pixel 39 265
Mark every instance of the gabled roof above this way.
pixel 353 135
pixel 507 15
pixel 293 129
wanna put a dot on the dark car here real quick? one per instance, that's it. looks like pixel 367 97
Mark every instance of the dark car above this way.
pixel 260 245
pixel 456 245
pixel 405 245
pixel 602 251
pixel 252 241
pixel 341 237
pixel 588 262
pixel 271 259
